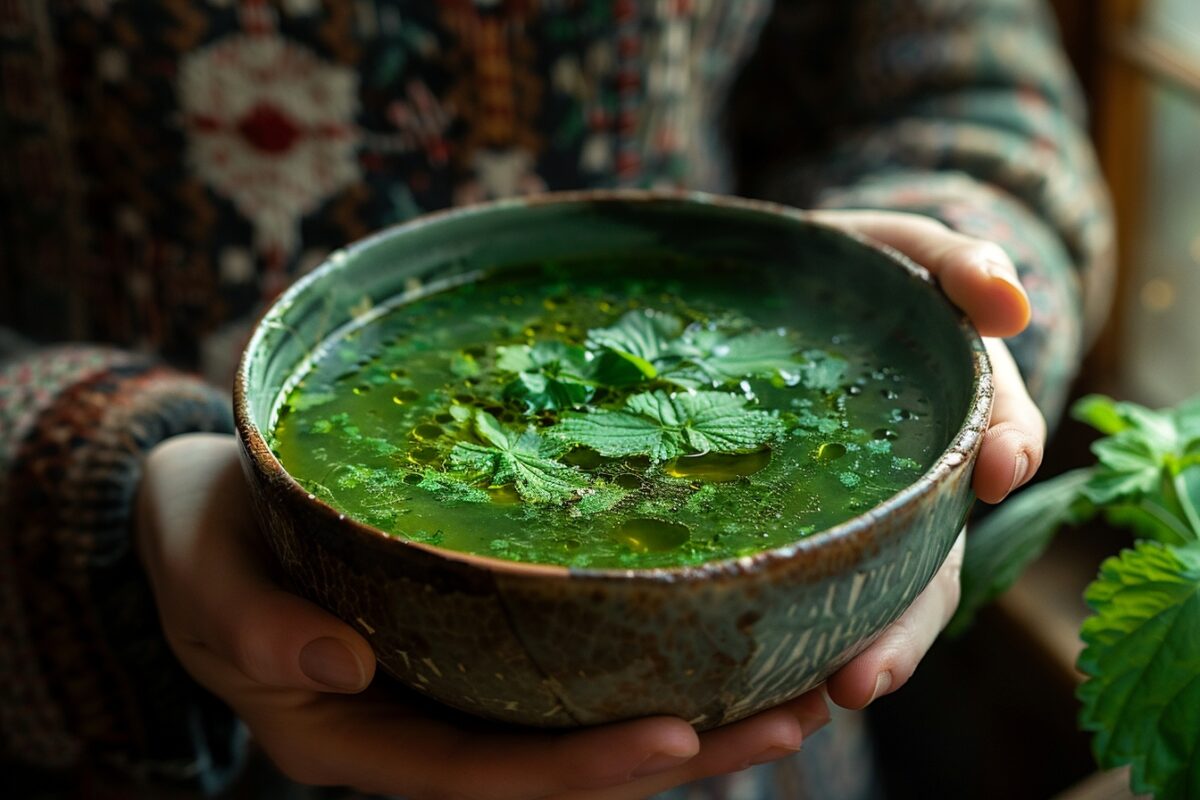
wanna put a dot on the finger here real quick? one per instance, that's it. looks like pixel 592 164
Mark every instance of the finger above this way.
pixel 760 739
pixel 891 659
pixel 382 747
pixel 220 597
pixel 976 274
pixel 1013 445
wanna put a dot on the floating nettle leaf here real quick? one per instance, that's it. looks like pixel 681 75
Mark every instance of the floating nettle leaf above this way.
pixel 722 359
pixel 525 459
pixel 665 426
pixel 643 338
pixel 550 375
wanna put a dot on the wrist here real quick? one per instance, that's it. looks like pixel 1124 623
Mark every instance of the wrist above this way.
pixel 76 495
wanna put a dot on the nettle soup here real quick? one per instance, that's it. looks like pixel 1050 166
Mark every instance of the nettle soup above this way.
pixel 651 413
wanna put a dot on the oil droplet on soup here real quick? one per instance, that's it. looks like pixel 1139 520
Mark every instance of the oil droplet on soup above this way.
pixel 651 535
pixel 718 467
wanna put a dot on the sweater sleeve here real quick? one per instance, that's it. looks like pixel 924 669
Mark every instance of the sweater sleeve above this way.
pixel 86 677
pixel 962 110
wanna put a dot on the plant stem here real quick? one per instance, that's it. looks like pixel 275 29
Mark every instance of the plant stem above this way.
pixel 1185 503
pixel 1168 519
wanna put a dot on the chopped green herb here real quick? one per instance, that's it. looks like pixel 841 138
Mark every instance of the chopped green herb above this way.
pixel 821 371
pixel 598 500
pixel 464 365
pixel 452 486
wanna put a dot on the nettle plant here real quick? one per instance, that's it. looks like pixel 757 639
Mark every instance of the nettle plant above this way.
pixel 1141 656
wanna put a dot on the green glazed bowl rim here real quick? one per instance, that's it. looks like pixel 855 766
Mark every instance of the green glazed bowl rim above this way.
pixel 853 535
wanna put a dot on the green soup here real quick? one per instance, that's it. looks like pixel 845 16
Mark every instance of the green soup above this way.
pixel 648 414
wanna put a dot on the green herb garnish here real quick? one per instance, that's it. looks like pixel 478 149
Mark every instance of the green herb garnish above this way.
pixel 715 359
pixel 523 459
pixel 664 426
pixel 658 346
pixel 550 375
pixel 643 338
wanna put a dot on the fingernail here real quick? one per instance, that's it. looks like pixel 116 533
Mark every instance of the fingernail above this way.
pixel 773 754
pixel 883 682
pixel 810 724
pixel 331 663
pixel 1020 465
pixel 659 762
pixel 1000 272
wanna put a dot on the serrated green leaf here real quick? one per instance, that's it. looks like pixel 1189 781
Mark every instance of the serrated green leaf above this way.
pixel 1148 518
pixel 611 433
pixel 1158 428
pixel 491 431
pixel 541 480
pixel 646 345
pixel 643 337
pixel 540 393
pixel 525 460
pixel 1130 467
pixel 1112 417
pixel 550 358
pixel 721 359
pixel 1142 659
pixel 664 426
pixel 611 369
pixel 1101 413
pixel 1127 452
pixel 1158 431
pixel 550 375
pixel 1110 486
pixel 1012 537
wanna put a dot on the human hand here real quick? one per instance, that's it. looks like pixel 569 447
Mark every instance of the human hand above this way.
pixel 981 280
pixel 298 676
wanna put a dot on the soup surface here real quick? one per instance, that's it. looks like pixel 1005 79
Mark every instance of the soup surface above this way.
pixel 653 414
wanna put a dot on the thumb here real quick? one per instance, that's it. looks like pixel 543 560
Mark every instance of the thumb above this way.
pixel 213 586
pixel 976 274
pixel 278 639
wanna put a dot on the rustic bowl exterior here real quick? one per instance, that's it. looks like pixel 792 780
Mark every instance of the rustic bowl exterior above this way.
pixel 549 646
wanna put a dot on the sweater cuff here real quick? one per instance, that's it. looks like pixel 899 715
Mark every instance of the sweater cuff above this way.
pixel 86 676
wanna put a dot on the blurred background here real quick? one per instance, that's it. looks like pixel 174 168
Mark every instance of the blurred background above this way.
pixel 1139 61
pixel 1010 730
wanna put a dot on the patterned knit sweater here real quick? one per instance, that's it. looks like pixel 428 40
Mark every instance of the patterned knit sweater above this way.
pixel 167 166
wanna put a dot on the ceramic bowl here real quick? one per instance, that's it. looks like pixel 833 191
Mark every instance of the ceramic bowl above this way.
pixel 552 646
